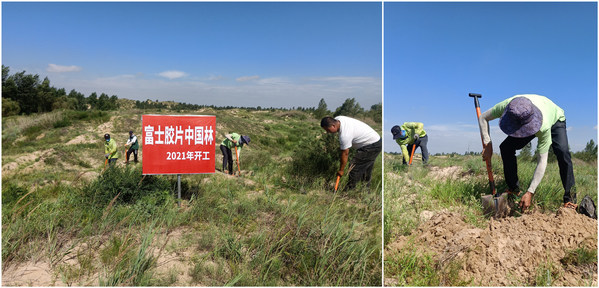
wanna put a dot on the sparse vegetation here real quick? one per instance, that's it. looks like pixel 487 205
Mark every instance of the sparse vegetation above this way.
pixel 454 183
pixel 276 225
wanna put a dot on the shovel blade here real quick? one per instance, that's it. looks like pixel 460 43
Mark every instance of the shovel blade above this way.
pixel 488 204
pixel 497 207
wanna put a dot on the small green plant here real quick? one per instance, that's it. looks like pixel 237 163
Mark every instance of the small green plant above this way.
pixel 411 268
pixel 546 273
pixel 580 256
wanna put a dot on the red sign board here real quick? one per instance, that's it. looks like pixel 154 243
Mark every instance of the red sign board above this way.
pixel 178 144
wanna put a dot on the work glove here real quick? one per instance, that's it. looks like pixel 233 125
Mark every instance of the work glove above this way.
pixel 416 137
pixel 106 156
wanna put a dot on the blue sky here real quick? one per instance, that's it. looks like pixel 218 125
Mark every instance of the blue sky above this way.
pixel 240 54
pixel 436 53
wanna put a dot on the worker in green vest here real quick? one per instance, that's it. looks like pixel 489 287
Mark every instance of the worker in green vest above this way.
pixel 133 148
pixel 408 134
pixel 232 141
pixel 110 149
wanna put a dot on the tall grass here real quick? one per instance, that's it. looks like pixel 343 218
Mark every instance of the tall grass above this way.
pixel 267 227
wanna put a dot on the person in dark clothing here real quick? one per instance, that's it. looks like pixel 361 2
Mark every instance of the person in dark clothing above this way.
pixel 355 134
pixel 133 148
pixel 232 140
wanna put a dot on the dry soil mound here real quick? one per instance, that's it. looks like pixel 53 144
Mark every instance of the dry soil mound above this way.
pixel 511 250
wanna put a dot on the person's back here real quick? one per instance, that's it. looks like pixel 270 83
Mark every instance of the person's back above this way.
pixel 355 134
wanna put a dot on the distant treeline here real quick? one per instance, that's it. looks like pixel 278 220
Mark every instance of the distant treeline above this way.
pixel 25 94
pixel 349 108
pixel 589 153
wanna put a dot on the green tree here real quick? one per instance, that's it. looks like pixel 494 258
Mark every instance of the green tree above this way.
pixel 103 102
pixel 10 107
pixel 376 112
pixel 9 87
pixel 589 153
pixel 80 102
pixel 26 92
pixel 349 108
pixel 46 96
pixel 321 110
pixel 92 100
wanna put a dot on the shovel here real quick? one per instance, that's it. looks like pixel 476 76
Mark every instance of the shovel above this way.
pixel 497 206
pixel 412 154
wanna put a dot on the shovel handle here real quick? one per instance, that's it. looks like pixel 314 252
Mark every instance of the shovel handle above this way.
pixel 337 183
pixel 412 154
pixel 488 161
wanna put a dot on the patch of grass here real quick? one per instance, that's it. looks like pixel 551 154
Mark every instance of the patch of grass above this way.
pixel 546 273
pixel 414 268
pixel 64 122
pixel 133 269
pixel 580 256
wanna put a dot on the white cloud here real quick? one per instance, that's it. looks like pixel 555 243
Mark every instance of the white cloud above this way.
pixel 274 81
pixel 247 78
pixel 277 91
pixel 215 77
pixel 61 69
pixel 172 74
pixel 345 79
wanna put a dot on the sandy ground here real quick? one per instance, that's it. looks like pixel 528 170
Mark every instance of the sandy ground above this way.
pixel 509 251
pixel 41 274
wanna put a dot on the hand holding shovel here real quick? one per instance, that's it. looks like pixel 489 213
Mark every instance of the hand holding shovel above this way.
pixel 496 206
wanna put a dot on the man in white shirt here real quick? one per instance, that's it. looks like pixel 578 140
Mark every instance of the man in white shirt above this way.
pixel 133 148
pixel 358 135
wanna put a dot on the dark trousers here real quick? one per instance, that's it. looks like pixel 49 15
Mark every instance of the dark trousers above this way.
pixel 559 143
pixel 362 164
pixel 134 151
pixel 227 158
pixel 421 142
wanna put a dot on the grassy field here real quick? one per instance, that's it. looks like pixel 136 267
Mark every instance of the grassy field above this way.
pixel 454 184
pixel 278 224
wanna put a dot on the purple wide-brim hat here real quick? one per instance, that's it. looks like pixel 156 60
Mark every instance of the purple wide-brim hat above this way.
pixel 521 118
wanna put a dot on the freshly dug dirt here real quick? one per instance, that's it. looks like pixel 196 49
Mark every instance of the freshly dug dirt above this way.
pixel 509 251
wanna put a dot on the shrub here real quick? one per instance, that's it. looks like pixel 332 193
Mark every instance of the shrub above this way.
pixel 316 159
pixel 11 193
pixel 64 122
pixel 128 184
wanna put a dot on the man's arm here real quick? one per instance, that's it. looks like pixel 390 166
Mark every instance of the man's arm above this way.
pixel 343 161
pixel 526 199
pixel 539 172
pixel 404 153
pixel 483 124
